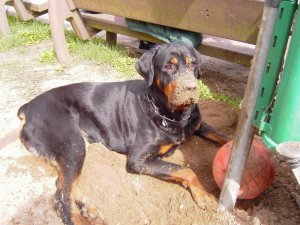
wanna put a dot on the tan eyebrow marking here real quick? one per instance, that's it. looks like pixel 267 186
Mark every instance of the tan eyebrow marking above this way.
pixel 174 60
pixel 188 60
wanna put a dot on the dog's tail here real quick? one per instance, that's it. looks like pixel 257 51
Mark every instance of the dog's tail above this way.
pixel 21 112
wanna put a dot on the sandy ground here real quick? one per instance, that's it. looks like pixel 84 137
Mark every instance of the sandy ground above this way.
pixel 27 183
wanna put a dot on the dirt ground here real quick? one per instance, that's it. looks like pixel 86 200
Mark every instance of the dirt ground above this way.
pixel 27 183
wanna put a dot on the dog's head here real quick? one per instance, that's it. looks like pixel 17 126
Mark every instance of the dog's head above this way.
pixel 172 70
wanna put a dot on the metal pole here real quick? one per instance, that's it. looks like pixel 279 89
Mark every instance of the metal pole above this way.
pixel 245 130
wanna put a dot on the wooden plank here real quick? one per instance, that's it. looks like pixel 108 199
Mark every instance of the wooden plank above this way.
pixel 225 54
pixel 238 52
pixel 34 6
pixel 117 24
pixel 231 19
pixel 114 24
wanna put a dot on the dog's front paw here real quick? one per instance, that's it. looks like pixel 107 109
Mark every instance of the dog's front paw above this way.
pixel 91 214
pixel 204 200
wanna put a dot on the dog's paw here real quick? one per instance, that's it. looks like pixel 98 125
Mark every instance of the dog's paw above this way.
pixel 91 214
pixel 78 219
pixel 205 200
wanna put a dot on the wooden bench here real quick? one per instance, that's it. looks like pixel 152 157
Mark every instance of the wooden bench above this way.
pixel 26 10
pixel 223 21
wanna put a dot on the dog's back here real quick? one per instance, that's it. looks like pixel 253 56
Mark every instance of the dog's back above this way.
pixel 83 107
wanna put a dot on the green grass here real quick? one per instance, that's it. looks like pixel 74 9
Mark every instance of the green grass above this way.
pixel 24 34
pixel 98 51
pixel 33 32
pixel 48 56
pixel 207 94
pixel 234 103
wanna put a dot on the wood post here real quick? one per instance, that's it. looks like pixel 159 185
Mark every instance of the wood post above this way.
pixel 21 10
pixel 111 38
pixel 59 11
pixel 4 28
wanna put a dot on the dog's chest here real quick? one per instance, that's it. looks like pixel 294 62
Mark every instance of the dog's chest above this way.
pixel 176 131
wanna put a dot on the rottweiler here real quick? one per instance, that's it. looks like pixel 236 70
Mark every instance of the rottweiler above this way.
pixel 144 119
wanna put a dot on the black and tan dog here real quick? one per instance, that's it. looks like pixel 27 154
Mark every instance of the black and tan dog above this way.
pixel 144 119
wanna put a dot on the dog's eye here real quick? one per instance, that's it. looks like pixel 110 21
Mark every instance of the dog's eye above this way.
pixel 169 67
pixel 193 64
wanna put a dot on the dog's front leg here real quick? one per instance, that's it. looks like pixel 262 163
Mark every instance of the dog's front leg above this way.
pixel 158 168
pixel 206 131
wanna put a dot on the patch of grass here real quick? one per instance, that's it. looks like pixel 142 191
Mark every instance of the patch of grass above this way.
pixel 235 103
pixel 33 32
pixel 98 51
pixel 48 56
pixel 207 94
pixel 24 33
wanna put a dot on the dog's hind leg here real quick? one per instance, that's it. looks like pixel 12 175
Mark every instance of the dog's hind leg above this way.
pixel 67 152
pixel 69 166
pixel 68 175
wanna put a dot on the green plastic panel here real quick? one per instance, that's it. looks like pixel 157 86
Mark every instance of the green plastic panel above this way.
pixel 284 121
pixel 274 61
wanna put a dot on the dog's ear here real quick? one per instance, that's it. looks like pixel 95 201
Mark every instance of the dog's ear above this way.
pixel 145 67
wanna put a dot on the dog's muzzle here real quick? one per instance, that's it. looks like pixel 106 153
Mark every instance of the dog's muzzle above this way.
pixel 186 91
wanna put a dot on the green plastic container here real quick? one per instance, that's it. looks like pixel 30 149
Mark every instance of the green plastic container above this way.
pixel 282 124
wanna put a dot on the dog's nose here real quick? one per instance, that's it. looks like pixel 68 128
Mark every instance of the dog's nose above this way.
pixel 190 87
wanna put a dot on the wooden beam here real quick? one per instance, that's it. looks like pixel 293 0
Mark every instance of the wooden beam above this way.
pixel 231 19
pixel 42 6
pixel 118 25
